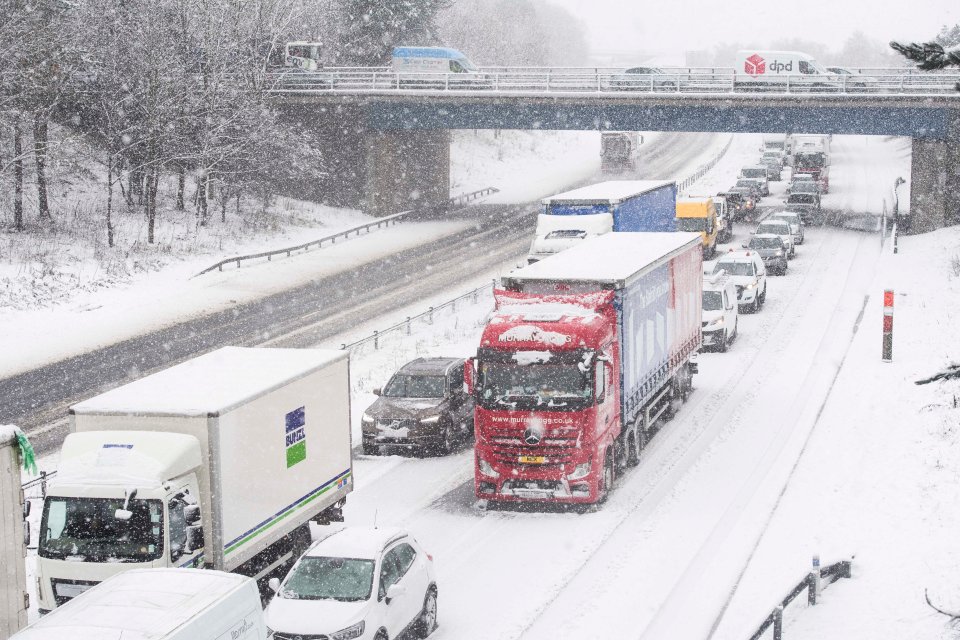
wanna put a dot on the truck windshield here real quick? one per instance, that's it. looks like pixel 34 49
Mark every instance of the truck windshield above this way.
pixel 808 160
pixel 87 530
pixel 408 386
pixel 323 578
pixel 547 387
pixel 691 224
pixel 735 268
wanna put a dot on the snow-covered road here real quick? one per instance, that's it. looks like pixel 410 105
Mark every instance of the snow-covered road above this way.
pixel 678 530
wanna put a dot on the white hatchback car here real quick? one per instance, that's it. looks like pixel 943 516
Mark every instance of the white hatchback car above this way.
pixel 358 583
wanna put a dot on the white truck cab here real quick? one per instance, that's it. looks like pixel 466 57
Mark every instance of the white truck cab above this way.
pixel 720 313
pixel 781 67
pixel 556 233
pixel 748 275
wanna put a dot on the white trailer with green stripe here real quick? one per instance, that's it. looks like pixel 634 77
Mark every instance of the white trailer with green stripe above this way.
pixel 219 462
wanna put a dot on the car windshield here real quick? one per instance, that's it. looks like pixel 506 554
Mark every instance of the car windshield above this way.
pixel 807 186
pixel 87 529
pixel 534 386
pixel 414 386
pixel 746 184
pixel 802 198
pixel 691 224
pixel 789 218
pixel 766 243
pixel 735 268
pixel 325 578
pixel 712 301
pixel 755 172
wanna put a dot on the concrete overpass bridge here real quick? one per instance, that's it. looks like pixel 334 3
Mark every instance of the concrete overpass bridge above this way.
pixel 389 134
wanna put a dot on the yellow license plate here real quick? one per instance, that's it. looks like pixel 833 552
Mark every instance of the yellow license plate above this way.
pixel 533 459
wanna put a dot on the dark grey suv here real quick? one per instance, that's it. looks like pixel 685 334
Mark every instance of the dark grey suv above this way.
pixel 423 405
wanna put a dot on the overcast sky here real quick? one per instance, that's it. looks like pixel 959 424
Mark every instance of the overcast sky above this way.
pixel 680 25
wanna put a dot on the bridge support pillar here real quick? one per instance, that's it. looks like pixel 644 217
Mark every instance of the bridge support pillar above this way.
pixel 935 184
pixel 406 170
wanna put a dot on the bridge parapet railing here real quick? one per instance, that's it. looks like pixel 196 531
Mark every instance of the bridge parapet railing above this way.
pixel 707 81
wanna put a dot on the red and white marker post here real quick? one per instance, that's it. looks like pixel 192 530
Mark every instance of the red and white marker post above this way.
pixel 888 325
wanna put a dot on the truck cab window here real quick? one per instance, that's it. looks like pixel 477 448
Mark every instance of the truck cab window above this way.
pixel 601 380
pixel 178 528
pixel 806 68
pixel 456 68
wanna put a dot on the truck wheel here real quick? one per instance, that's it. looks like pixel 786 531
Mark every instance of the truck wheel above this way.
pixel 763 295
pixel 755 307
pixel 634 446
pixel 725 341
pixel 608 475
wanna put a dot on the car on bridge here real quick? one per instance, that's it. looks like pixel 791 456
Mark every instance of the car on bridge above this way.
pixel 422 406
pixel 853 80
pixel 435 68
pixel 644 79
pixel 771 250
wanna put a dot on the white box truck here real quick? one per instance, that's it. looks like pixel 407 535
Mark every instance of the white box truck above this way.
pixel 219 462
pixel 159 604
pixel 14 600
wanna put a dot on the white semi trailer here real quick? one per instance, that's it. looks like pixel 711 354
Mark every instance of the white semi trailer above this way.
pixel 219 462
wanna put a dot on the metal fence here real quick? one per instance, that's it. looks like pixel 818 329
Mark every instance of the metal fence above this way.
pixel 385 221
pixel 687 182
pixel 697 82
pixel 405 327
pixel 36 489
pixel 815 581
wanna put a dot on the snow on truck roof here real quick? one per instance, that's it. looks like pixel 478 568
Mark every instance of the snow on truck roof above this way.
pixel 139 604
pixel 612 191
pixel 609 259
pixel 427 52
pixel 212 383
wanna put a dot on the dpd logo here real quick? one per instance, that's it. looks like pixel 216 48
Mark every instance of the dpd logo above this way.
pixel 755 65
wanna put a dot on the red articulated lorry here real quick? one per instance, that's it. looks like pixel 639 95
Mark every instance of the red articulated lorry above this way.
pixel 585 353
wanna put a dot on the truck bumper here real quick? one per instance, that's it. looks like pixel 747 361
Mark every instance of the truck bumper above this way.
pixel 713 337
pixel 533 483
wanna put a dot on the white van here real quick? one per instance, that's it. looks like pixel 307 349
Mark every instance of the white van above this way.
pixel 756 66
pixel 430 60
pixel 158 604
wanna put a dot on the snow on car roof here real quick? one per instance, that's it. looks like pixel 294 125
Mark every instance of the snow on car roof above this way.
pixel 139 604
pixel 356 542
pixel 211 383
pixel 612 191
pixel 611 258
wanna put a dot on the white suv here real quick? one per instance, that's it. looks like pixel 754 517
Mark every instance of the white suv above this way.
pixel 719 311
pixel 358 583
pixel 748 275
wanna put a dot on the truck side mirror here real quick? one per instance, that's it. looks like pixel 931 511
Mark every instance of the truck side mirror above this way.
pixel 194 539
pixel 191 514
pixel 26 509
pixel 274 584
pixel 377 391
pixel 26 533
pixel 468 371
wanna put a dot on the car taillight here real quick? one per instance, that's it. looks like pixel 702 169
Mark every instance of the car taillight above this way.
pixel 429 557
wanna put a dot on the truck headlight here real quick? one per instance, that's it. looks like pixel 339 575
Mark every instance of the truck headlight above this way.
pixel 716 322
pixel 779 253
pixel 350 632
pixel 366 419
pixel 580 471
pixel 487 469
pixel 752 285
pixel 430 420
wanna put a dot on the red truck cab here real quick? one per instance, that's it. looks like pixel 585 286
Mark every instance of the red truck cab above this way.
pixel 547 410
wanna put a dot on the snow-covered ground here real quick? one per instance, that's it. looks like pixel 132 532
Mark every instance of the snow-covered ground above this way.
pixel 750 474
pixel 878 479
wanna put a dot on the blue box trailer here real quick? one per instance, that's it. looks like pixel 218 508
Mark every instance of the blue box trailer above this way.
pixel 615 205
pixel 636 205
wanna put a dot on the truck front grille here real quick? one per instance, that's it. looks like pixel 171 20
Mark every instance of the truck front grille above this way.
pixel 557 449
